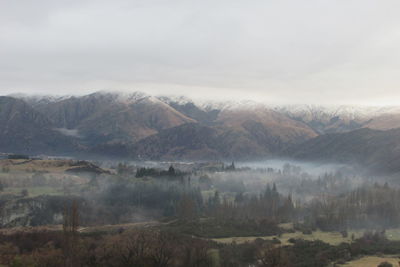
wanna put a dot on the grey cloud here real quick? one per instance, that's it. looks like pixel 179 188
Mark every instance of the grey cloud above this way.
pixel 284 51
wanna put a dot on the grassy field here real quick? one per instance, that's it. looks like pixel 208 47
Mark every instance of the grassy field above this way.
pixel 333 238
pixel 393 234
pixel 23 165
pixel 373 261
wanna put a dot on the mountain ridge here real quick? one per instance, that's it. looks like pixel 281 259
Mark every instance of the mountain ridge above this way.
pixel 140 125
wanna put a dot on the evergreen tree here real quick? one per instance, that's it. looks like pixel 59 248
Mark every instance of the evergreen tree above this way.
pixel 171 171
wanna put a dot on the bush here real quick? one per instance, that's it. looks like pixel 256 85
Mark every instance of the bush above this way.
pixel 385 264
pixel 17 156
pixel 344 233
pixel 24 192
pixel 307 232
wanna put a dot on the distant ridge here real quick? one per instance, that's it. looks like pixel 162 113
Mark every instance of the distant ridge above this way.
pixel 375 149
pixel 142 126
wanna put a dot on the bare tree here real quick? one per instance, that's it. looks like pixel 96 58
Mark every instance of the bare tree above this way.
pixel 71 235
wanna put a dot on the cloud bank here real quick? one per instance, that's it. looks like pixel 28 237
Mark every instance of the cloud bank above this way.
pixel 315 51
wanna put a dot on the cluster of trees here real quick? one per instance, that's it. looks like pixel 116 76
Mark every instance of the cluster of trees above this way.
pixel 154 247
pixel 125 169
pixel 269 205
pixel 365 207
pixel 140 247
pixel 18 156
pixel 153 172
pixel 244 215
pixel 327 183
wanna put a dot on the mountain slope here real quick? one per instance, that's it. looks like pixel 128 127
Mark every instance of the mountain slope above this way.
pixel 188 141
pixel 338 119
pixel 247 128
pixel 195 141
pixel 24 130
pixel 379 150
pixel 109 118
pixel 144 126
pixel 388 119
pixel 191 110
pixel 108 121
pixel 265 124
pixel 330 119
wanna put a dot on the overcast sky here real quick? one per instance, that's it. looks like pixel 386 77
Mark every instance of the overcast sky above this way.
pixel 311 51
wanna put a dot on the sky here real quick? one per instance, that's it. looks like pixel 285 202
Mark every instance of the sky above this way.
pixel 312 51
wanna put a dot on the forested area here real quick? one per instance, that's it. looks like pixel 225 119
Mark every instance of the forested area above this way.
pixel 149 216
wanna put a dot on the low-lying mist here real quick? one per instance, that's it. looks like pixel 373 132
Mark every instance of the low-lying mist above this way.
pixel 34 192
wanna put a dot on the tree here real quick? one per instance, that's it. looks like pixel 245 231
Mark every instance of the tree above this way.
pixel 163 249
pixel 196 254
pixel 187 208
pixel 273 257
pixel 171 171
pixel 24 192
pixel 205 182
pixel 231 167
pixel 70 233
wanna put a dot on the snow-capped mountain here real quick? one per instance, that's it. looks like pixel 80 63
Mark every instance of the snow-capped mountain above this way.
pixel 326 119
pixel 167 125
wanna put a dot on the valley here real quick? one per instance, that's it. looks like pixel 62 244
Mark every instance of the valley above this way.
pixel 328 213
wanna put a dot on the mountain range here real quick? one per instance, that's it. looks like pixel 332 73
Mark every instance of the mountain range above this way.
pixel 142 126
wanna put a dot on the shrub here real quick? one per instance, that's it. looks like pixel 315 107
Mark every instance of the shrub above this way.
pixel 385 264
